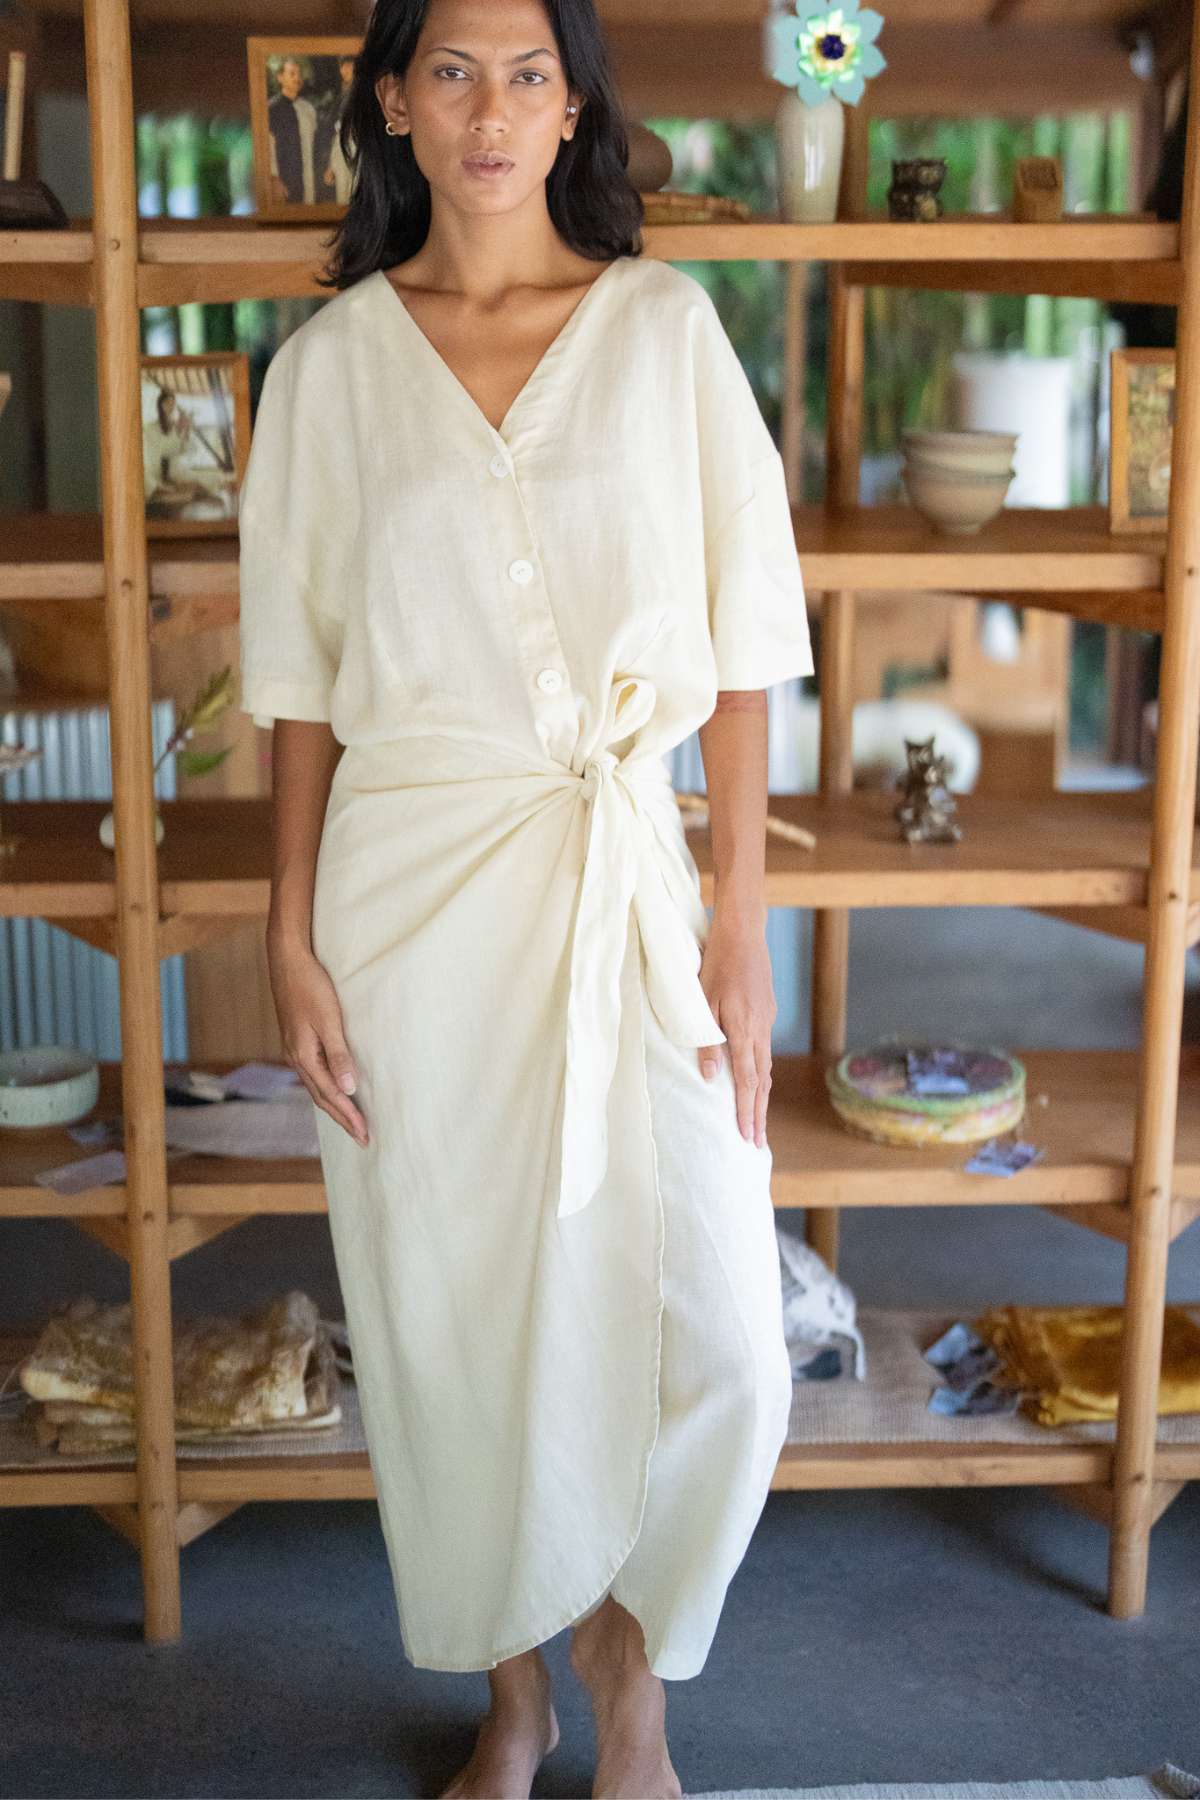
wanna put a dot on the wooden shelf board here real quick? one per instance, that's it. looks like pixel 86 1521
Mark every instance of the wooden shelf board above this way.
pixel 1110 256
pixel 33 1475
pixel 1069 849
pixel 50 267
pixel 41 1486
pixel 48 556
pixel 230 260
pixel 71 245
pixel 1023 550
pixel 1080 237
pixel 800 1467
pixel 24 1153
pixel 1069 556
pixel 1085 1128
pixel 244 1186
pixel 1014 852
pixel 916 1463
pixel 879 1432
pixel 848 1433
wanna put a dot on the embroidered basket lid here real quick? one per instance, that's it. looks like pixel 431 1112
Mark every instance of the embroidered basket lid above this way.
pixel 922 1093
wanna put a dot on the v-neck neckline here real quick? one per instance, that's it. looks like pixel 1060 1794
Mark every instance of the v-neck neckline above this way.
pixel 552 349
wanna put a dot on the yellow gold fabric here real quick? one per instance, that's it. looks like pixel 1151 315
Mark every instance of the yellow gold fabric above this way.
pixel 1070 1356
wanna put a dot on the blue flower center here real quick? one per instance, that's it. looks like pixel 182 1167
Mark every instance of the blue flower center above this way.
pixel 831 46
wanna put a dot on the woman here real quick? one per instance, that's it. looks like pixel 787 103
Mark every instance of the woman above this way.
pixel 512 527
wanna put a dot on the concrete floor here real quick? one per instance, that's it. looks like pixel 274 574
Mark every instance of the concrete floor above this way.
pixel 893 1636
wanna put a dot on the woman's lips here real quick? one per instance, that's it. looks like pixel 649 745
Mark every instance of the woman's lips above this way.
pixel 486 169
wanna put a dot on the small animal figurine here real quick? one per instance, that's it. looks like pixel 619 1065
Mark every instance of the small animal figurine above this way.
pixel 925 810
pixel 914 191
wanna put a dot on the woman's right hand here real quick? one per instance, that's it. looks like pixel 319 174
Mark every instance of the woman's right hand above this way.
pixel 310 1024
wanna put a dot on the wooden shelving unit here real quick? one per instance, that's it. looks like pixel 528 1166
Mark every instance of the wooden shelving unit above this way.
pixel 1122 1139
pixel 1068 560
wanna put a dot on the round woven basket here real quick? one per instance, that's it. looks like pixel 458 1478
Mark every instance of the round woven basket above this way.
pixel 871 1093
pixel 668 207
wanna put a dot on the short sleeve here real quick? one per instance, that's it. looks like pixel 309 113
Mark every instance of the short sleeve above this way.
pixel 757 613
pixel 292 529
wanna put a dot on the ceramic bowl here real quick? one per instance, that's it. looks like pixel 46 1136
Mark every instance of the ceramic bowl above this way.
pixel 955 502
pixel 971 450
pixel 47 1084
pixel 938 465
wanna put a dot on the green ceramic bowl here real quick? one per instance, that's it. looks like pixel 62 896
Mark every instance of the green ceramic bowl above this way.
pixel 46 1084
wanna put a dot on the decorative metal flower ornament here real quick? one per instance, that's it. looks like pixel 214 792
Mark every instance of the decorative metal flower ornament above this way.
pixel 832 52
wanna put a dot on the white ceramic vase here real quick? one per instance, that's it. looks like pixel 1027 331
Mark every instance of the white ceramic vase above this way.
pixel 808 149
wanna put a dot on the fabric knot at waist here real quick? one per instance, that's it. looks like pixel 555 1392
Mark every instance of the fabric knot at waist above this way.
pixel 622 867
pixel 597 768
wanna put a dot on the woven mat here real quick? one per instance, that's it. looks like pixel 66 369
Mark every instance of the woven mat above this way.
pixel 1165 1783
pixel 889 1406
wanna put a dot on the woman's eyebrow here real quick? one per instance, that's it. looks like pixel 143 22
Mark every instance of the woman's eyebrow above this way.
pixel 467 57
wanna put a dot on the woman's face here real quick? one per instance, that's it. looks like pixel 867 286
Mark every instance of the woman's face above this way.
pixel 484 76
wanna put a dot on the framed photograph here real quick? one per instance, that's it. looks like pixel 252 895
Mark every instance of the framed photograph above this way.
pixel 298 90
pixel 195 441
pixel 1139 460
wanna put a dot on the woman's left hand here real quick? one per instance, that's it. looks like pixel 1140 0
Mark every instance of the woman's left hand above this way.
pixel 735 973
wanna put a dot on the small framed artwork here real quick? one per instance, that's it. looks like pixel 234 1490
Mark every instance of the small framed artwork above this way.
pixel 298 92
pixel 1139 462
pixel 195 441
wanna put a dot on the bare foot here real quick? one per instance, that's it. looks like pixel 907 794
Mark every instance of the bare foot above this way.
pixel 518 1730
pixel 608 1653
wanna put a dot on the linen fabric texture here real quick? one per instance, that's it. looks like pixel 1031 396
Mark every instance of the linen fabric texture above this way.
pixel 557 1252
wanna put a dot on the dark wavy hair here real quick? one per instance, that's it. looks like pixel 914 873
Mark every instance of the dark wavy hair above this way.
pixel 589 195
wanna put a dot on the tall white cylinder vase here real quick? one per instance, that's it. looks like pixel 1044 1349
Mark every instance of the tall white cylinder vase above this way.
pixel 808 149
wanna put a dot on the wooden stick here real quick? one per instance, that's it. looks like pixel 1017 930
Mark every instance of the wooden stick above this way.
pixel 14 114
pixel 697 804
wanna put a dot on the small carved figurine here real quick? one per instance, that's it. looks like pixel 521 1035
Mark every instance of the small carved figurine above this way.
pixel 914 190
pixel 925 810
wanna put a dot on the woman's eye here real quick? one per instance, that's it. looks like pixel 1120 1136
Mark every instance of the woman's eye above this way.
pixel 539 78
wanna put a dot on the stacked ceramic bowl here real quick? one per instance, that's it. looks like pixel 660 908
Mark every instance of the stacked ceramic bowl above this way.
pixel 958 479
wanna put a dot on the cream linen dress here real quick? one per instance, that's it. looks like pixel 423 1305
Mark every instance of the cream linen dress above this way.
pixel 557 1252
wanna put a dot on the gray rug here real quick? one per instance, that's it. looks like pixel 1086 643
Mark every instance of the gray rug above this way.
pixel 1164 1783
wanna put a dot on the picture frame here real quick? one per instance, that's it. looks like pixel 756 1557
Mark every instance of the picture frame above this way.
pixel 1142 412
pixel 195 441
pixel 298 87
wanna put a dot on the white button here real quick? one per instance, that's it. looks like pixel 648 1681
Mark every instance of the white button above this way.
pixel 498 465
pixel 521 570
pixel 549 680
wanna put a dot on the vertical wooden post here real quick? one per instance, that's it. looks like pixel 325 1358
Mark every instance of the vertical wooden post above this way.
pixel 795 356
pixel 115 249
pixel 843 440
pixel 1170 874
